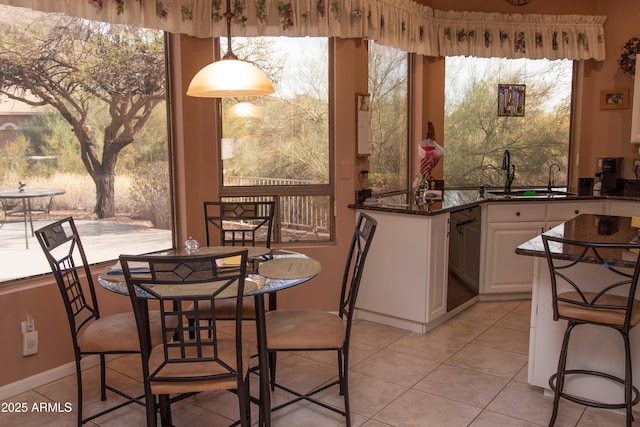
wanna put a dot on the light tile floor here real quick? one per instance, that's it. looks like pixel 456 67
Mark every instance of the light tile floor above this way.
pixel 471 371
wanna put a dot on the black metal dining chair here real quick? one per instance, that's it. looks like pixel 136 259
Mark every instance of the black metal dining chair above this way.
pixel 608 301
pixel 193 357
pixel 314 330
pixel 243 223
pixel 91 333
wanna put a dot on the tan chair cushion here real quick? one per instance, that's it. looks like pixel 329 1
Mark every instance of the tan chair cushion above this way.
pixel 599 315
pixel 304 329
pixel 226 308
pixel 118 332
pixel 226 352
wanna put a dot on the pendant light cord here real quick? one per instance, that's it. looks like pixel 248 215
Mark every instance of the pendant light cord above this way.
pixel 229 15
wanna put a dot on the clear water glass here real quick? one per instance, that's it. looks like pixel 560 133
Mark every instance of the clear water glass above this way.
pixel 191 245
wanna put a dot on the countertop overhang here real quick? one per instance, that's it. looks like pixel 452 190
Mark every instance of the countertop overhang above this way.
pixel 588 228
pixel 454 200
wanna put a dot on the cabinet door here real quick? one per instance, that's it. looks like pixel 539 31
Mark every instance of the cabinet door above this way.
pixel 438 266
pixel 505 271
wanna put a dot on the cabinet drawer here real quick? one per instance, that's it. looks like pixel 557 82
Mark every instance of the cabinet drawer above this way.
pixel 563 211
pixel 509 212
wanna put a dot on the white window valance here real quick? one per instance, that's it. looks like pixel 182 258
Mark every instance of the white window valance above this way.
pixel 403 24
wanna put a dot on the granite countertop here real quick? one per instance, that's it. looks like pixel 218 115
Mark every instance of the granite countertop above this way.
pixel 588 228
pixel 462 199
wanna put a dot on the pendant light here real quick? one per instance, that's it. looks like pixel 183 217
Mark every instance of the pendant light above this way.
pixel 229 77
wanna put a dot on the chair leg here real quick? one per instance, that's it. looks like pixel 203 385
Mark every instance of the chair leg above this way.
pixel 165 410
pixel 272 369
pixel 243 401
pixel 341 371
pixel 103 378
pixel 559 376
pixel 628 372
pixel 343 366
pixel 79 387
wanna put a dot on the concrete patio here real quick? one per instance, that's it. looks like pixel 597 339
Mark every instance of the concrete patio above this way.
pixel 103 240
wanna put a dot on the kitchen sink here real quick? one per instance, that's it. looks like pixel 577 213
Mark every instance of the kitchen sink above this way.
pixel 531 193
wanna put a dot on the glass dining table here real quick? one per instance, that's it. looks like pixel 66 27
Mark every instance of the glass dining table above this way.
pixel 271 271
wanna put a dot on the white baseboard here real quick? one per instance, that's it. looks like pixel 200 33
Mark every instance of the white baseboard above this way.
pixel 45 377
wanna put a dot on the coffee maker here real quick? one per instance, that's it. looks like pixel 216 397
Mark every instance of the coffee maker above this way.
pixel 611 169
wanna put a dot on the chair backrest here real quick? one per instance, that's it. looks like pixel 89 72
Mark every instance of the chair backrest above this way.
pixel 239 223
pixel 183 285
pixel 63 249
pixel 358 249
pixel 573 284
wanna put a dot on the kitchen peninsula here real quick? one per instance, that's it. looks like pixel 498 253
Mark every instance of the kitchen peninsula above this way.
pixel 591 347
pixel 409 278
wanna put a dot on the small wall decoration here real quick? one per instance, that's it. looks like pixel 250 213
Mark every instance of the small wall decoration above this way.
pixel 511 100
pixel 362 125
pixel 614 99
pixel 628 56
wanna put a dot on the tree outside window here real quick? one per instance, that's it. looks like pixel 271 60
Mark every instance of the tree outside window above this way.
pixel 388 86
pixel 91 99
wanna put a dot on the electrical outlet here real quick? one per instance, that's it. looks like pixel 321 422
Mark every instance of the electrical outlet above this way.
pixel 29 343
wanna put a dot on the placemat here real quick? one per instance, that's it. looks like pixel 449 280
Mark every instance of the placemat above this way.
pixel 254 251
pixel 178 290
pixel 289 268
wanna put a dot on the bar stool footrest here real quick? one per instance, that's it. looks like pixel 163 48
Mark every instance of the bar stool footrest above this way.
pixel 592 403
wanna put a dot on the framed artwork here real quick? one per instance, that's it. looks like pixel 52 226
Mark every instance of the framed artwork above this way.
pixel 362 125
pixel 614 99
pixel 511 100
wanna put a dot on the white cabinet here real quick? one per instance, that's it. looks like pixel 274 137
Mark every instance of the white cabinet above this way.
pixel 505 271
pixel 405 278
pixel 509 225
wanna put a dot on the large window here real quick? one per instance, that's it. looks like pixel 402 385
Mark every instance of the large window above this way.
pixel 83 111
pixel 277 147
pixel 476 135
pixel 389 90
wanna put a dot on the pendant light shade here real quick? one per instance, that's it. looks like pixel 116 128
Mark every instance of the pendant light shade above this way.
pixel 230 77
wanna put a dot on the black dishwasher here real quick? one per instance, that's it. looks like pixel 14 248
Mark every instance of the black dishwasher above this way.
pixel 464 256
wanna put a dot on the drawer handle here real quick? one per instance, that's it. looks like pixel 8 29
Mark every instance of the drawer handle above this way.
pixel 517 213
pixel 576 211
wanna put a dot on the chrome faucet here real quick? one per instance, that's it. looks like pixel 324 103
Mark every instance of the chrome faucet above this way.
pixel 551 182
pixel 509 171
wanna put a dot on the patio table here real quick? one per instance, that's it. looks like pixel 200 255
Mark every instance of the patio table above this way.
pixel 26 195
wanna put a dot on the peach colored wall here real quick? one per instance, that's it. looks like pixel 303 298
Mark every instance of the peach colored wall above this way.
pixel 41 299
pixel 601 133
pixel 606 133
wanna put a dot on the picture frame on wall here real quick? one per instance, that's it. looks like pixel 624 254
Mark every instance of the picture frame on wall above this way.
pixel 511 100
pixel 614 99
